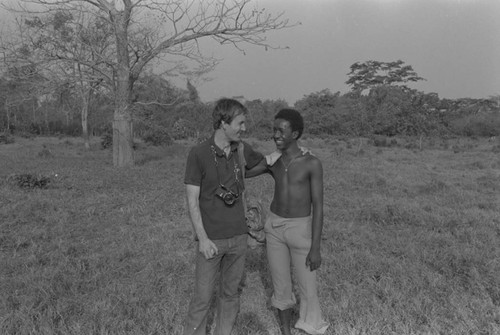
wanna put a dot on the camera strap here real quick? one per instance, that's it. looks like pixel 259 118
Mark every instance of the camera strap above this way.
pixel 243 164
pixel 235 170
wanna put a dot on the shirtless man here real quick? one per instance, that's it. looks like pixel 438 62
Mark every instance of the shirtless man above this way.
pixel 293 235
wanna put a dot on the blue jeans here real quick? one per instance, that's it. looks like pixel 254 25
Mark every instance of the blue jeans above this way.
pixel 231 262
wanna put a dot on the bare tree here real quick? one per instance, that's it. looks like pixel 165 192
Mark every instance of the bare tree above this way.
pixel 66 50
pixel 22 84
pixel 145 30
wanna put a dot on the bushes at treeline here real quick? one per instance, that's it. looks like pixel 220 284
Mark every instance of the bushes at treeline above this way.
pixel 384 110
pixel 483 124
pixel 164 113
pixel 57 127
pixel 392 110
pixel 379 103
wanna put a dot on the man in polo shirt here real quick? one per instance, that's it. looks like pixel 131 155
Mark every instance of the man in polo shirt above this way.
pixel 214 186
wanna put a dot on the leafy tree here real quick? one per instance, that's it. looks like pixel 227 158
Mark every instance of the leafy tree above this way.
pixel 154 103
pixel 21 85
pixel 68 48
pixel 386 110
pixel 318 110
pixel 371 74
pixel 144 30
pixel 160 107
pixel 257 115
pixel 392 107
pixel 386 106
pixel 261 116
pixel 395 111
pixel 352 111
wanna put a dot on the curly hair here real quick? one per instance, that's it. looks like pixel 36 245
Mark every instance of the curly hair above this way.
pixel 226 110
pixel 294 117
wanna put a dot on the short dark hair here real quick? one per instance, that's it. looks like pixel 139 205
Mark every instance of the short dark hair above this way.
pixel 294 117
pixel 226 110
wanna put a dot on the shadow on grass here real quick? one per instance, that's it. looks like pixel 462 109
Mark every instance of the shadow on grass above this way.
pixel 256 261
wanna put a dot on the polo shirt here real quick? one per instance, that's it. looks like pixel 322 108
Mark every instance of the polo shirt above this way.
pixel 219 220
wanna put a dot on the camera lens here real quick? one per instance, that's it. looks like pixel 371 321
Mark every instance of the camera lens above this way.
pixel 229 199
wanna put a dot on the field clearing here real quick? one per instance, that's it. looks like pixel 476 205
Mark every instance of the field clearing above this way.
pixel 411 242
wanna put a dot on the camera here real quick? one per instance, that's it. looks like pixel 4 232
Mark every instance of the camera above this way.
pixel 226 195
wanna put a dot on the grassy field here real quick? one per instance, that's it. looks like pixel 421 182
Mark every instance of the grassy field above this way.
pixel 411 240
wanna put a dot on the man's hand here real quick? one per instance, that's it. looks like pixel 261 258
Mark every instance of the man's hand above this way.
pixel 208 248
pixel 273 157
pixel 313 259
pixel 305 151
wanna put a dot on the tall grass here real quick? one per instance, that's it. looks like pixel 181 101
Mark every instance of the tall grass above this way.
pixel 411 241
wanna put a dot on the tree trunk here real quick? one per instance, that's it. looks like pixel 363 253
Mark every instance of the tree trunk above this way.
pixel 123 154
pixel 34 112
pixel 47 122
pixel 8 116
pixel 85 126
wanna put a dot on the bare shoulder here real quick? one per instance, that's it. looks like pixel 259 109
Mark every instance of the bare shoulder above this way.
pixel 312 162
pixel 311 159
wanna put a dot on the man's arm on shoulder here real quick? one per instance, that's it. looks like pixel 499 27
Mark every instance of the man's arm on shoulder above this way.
pixel 255 162
pixel 207 247
pixel 258 169
pixel 252 157
pixel 316 177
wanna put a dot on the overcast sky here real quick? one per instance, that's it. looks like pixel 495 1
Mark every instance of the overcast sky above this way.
pixel 454 44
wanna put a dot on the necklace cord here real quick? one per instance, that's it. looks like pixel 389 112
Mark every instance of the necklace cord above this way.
pixel 289 163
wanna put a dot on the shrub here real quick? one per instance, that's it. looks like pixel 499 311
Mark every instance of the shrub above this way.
pixel 30 181
pixel 106 140
pixel 484 125
pixel 182 129
pixel 157 136
pixel 24 134
pixel 45 153
pixel 6 139
pixel 107 137
pixel 380 141
pixel 35 129
pixel 73 129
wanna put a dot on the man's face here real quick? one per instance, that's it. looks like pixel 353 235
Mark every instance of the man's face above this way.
pixel 234 129
pixel 282 134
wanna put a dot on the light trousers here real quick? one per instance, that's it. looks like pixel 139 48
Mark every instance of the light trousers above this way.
pixel 288 242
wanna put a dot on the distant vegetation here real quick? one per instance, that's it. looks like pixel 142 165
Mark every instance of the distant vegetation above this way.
pixel 390 111
pixel 379 104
